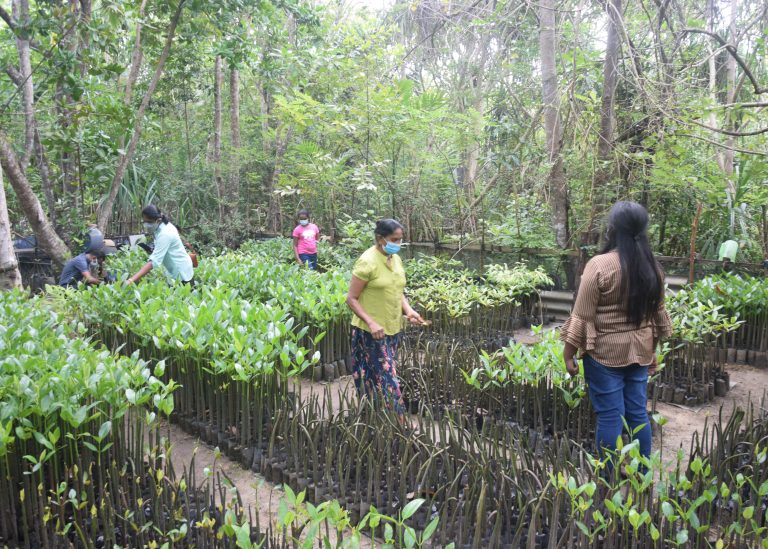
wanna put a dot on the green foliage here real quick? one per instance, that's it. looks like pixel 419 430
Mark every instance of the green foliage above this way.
pixel 357 234
pixel 518 363
pixel 235 337
pixel 525 224
pixel 51 378
pixel 743 297
pixel 441 287
pixel 695 317
pixel 540 364
pixel 359 120
pixel 314 522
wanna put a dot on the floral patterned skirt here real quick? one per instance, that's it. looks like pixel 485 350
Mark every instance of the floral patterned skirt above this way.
pixel 374 368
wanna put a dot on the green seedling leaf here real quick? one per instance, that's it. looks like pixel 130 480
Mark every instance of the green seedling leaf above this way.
pixel 430 529
pixel 411 508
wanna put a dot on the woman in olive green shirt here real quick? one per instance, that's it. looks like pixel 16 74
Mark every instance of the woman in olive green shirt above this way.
pixel 377 300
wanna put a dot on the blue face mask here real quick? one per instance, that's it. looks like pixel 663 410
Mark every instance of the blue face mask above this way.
pixel 304 222
pixel 149 228
pixel 391 248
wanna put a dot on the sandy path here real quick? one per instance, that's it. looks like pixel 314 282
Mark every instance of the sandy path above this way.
pixel 747 384
pixel 256 493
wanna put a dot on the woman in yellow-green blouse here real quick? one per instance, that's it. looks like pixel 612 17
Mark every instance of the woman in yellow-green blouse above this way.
pixel 377 300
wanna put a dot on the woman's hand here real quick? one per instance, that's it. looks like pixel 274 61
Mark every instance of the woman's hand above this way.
pixel 570 363
pixel 377 331
pixel 414 318
pixel 653 367
pixel 571 366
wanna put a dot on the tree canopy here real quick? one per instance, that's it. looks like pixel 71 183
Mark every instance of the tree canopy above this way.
pixel 520 120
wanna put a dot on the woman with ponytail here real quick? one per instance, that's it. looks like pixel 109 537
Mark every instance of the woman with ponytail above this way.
pixel 169 249
pixel 616 323
pixel 376 297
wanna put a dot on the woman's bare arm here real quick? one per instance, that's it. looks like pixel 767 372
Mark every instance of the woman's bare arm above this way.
pixel 141 274
pixel 356 287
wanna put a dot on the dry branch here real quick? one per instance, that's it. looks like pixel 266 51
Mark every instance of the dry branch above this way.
pixel 734 53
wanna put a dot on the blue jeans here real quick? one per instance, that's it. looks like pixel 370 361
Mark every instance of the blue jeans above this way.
pixel 619 394
pixel 310 260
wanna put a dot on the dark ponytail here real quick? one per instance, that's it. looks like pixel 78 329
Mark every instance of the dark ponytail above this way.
pixel 153 212
pixel 642 280
pixel 385 227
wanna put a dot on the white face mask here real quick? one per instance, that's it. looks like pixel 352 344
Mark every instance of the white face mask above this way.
pixel 150 227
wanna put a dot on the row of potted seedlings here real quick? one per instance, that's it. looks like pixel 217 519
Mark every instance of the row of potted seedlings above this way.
pixel 747 299
pixel 488 486
pixel 85 459
pixel 232 359
pixel 522 387
pixel 82 459
pixel 694 360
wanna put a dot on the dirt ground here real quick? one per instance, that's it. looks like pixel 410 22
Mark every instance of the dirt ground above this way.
pixel 258 494
pixel 747 384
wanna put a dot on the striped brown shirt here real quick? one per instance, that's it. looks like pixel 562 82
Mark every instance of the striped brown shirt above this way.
pixel 598 325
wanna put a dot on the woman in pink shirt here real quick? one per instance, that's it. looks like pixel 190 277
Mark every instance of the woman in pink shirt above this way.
pixel 305 237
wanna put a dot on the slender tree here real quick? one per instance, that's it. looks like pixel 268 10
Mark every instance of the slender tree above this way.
pixel 218 80
pixel 33 146
pixel 233 189
pixel 9 266
pixel 601 195
pixel 125 157
pixel 22 23
pixel 558 186
pixel 30 205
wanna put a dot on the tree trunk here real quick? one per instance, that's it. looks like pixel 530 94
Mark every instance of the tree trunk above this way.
pixel 558 186
pixel 472 80
pixel 730 96
pixel 105 208
pixel 188 144
pixel 21 13
pixel 66 109
pixel 45 179
pixel 233 190
pixel 84 42
pixel 472 154
pixel 217 180
pixel 47 238
pixel 265 112
pixel 68 191
pixel 601 193
pixel 274 212
pixel 136 57
pixel 725 155
pixel 272 174
pixel 10 277
pixel 33 145
pixel 764 224
pixel 712 63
